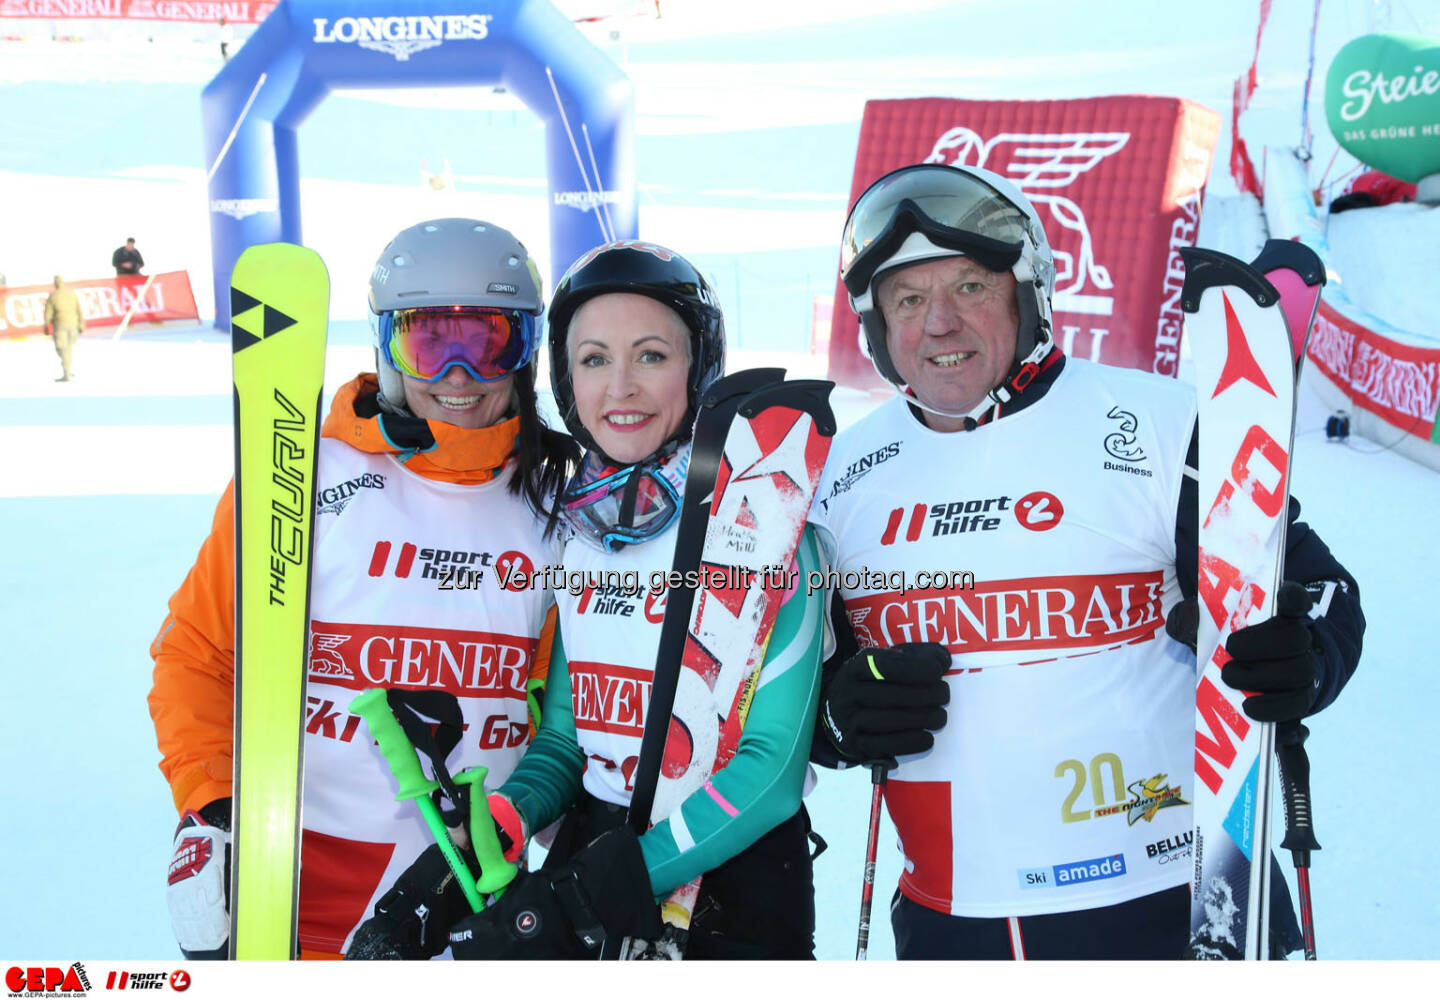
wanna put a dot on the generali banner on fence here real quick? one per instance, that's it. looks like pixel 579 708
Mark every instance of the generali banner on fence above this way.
pixel 105 301
pixel 1118 183
pixel 234 11
pixel 1396 382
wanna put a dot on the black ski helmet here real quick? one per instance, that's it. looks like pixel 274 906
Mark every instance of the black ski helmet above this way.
pixel 639 268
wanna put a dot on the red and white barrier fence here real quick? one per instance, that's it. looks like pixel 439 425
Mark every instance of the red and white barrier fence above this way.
pixel 1398 382
pixel 105 302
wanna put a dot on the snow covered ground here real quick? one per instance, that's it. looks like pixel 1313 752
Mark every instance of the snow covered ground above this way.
pixel 746 139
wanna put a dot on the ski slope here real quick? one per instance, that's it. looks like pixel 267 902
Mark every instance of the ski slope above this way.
pixel 746 134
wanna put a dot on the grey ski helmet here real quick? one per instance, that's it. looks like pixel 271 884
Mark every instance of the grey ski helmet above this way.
pixel 928 211
pixel 449 262
pixel 640 268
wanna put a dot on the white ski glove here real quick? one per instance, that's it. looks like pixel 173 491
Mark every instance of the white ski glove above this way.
pixel 199 882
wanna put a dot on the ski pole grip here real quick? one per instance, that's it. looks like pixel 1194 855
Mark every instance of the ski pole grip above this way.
pixel 1295 780
pixel 495 872
pixel 394 744
pixel 399 753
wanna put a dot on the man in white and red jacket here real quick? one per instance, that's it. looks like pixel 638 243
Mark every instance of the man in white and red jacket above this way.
pixel 1043 809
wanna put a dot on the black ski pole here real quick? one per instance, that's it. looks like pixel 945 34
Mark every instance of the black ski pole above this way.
pixel 867 891
pixel 1299 831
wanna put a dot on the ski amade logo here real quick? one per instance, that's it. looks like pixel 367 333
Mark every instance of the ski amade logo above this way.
pixel 402 37
pixel 47 981
pixel 1072 872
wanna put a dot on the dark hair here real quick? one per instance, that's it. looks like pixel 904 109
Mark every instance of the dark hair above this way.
pixel 543 455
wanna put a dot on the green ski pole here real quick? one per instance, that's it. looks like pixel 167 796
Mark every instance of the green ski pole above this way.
pixel 373 707
pixel 495 872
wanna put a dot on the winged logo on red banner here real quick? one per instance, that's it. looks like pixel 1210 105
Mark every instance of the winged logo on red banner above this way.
pixel 1042 164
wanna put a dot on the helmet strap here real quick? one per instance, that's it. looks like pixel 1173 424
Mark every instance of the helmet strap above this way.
pixel 1015 383
pixel 392 387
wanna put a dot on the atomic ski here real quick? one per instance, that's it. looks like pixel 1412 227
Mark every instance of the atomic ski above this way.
pixel 279 295
pixel 1247 356
pixel 748 511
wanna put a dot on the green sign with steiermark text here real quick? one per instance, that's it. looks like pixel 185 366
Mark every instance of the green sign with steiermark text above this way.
pixel 1382 100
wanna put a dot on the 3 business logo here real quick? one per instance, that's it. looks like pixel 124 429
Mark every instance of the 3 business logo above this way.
pixel 1123 444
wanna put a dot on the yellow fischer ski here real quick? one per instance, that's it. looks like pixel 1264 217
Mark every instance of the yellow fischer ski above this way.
pixel 279 296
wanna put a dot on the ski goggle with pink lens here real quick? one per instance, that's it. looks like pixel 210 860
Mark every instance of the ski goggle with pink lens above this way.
pixel 487 343
pixel 618 507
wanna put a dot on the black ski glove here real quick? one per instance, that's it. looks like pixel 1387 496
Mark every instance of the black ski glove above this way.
pixel 1183 622
pixel 412 920
pixel 1278 662
pixel 886 703
pixel 567 913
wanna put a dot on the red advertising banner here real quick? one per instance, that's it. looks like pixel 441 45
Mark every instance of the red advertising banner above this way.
pixel 105 302
pixel 1118 182
pixel 1396 382
pixel 200 11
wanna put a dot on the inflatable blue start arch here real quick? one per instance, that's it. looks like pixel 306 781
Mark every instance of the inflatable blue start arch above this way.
pixel 306 48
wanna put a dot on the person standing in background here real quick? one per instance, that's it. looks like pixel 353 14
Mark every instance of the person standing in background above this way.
pixel 64 320
pixel 227 38
pixel 126 259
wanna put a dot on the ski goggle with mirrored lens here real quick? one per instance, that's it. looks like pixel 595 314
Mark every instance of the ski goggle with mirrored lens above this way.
pixel 426 343
pixel 951 208
pixel 620 507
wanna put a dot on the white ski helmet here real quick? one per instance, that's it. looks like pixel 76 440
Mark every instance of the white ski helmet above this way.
pixel 931 210
pixel 450 262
